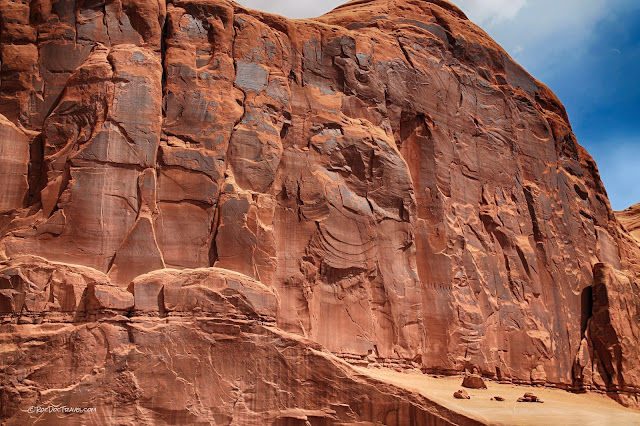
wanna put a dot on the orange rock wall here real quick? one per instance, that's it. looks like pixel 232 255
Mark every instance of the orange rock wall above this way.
pixel 400 185
pixel 630 219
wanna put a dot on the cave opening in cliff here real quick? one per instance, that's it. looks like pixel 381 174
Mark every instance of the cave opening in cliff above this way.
pixel 586 311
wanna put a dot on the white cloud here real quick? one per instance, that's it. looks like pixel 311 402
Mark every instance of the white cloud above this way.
pixel 490 12
pixel 543 34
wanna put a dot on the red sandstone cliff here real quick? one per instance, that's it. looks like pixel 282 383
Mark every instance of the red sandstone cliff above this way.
pixel 191 180
pixel 630 219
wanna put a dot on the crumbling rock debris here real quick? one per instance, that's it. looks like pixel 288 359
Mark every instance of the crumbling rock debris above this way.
pixel 383 179
pixel 529 397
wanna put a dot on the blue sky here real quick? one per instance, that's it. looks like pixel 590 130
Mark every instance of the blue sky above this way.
pixel 586 51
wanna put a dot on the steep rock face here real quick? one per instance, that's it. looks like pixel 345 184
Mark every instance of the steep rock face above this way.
pixel 400 186
pixel 630 219
pixel 14 162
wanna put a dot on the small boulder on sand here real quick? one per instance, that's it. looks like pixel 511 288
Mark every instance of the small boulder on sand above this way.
pixel 461 394
pixel 497 398
pixel 473 381
pixel 529 397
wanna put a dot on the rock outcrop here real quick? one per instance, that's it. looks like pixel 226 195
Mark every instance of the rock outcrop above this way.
pixel 630 219
pixel 191 179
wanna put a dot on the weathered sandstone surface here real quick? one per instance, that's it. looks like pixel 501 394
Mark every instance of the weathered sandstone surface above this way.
pixel 630 220
pixel 204 205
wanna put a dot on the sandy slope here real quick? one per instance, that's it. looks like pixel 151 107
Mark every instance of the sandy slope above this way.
pixel 559 407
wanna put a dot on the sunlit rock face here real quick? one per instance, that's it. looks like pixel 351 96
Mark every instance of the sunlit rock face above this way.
pixel 382 183
pixel 630 220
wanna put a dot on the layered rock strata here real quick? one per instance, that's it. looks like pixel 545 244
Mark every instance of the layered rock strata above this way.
pixel 383 181
pixel 630 220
